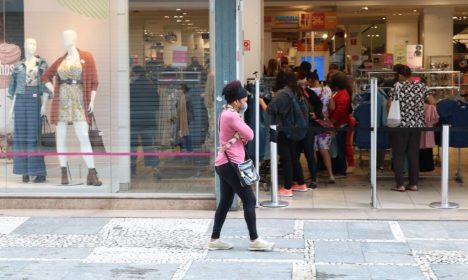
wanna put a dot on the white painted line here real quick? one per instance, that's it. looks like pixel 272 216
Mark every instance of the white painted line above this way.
pixel 182 270
pixel 9 224
pixel 397 231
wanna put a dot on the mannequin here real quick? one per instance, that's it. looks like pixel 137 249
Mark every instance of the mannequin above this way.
pixel 26 89
pixel 74 92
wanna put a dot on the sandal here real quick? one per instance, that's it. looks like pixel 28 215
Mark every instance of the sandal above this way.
pixel 399 189
pixel 413 188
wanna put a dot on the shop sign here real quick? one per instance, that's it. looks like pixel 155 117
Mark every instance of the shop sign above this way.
pixel 414 56
pixel 284 20
pixel 305 46
pixel 388 58
pixel 317 21
pixel 246 45
pixel 179 56
pixel 9 55
pixel 399 54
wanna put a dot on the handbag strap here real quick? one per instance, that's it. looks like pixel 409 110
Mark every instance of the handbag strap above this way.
pixel 245 149
pixel 45 125
pixel 93 122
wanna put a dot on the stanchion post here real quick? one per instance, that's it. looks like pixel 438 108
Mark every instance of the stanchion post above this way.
pixel 373 144
pixel 257 135
pixel 445 204
pixel 274 174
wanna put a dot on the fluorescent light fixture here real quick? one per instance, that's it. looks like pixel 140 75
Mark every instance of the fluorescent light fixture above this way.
pixel 178 10
pixel 365 8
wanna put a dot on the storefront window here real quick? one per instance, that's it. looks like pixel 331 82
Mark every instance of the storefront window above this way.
pixel 63 60
pixel 170 99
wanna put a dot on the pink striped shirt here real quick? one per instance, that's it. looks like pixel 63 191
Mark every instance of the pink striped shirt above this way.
pixel 230 123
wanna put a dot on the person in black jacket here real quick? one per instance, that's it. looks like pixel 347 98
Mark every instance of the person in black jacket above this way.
pixel 143 106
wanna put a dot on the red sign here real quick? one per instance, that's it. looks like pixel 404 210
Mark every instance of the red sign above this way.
pixel 318 21
pixel 353 41
pixel 388 58
pixel 246 45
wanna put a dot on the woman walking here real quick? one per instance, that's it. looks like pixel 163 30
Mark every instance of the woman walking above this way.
pixel 234 133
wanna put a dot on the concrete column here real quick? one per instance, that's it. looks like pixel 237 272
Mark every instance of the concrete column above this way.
pixel 253 32
pixel 438 32
pixel 353 46
pixel 120 88
pixel 401 30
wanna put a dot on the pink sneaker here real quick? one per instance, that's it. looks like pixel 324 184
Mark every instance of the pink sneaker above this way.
pixel 285 192
pixel 299 188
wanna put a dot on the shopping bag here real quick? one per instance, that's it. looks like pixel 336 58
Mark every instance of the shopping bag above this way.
pixel 95 136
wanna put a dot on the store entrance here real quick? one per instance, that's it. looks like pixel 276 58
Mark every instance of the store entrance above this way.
pixel 288 42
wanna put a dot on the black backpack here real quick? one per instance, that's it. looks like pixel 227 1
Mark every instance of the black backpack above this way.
pixel 296 122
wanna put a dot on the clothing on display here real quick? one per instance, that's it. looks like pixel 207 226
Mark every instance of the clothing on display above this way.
pixel 69 82
pixel 27 88
pixel 455 114
pixel 362 115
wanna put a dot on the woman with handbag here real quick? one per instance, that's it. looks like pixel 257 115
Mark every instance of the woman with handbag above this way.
pixel 234 133
pixel 405 143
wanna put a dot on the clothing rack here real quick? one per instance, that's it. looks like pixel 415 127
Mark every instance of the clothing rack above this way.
pixel 454 87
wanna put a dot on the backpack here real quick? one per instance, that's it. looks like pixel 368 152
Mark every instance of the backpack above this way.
pixel 296 122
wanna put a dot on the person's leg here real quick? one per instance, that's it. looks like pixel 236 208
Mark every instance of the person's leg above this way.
pixel 298 174
pixel 225 174
pixel 249 203
pixel 398 142
pixel 284 152
pixel 309 152
pixel 19 138
pixel 413 157
pixel 81 130
pixel 61 138
pixel 148 147
pixel 339 163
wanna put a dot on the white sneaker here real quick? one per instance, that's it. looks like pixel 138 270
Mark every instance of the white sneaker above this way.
pixel 218 244
pixel 261 245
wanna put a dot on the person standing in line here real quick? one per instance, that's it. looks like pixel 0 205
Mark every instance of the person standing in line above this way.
pixel 234 134
pixel 278 108
pixel 340 119
pixel 323 139
pixel 405 143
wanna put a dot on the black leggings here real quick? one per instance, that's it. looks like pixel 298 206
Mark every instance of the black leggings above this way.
pixel 230 185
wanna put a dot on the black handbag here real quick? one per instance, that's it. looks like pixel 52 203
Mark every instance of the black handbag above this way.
pixel 246 171
pixel 95 136
pixel 47 138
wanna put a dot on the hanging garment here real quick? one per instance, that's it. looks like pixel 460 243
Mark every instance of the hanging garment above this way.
pixel 431 117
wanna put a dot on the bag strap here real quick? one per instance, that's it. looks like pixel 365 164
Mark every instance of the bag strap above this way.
pixel 93 122
pixel 45 125
pixel 245 149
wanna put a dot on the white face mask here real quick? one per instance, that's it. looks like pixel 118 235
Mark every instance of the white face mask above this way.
pixel 243 108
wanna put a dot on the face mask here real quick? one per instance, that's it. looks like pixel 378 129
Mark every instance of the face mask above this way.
pixel 243 108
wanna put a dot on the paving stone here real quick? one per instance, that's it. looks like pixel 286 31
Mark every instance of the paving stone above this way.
pixel 120 271
pixel 238 270
pixel 44 253
pixel 450 271
pixel 442 245
pixel 243 253
pixel 338 252
pixel 279 242
pixel 39 274
pixel 265 228
pixel 9 224
pixel 347 230
pixel 360 272
pixel 435 229
pixel 40 225
pixel 394 253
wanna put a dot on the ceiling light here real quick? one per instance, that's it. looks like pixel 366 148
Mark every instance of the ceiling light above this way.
pixel 176 16
pixel 184 14
pixel 179 20
pixel 415 11
pixel 189 23
pixel 187 20
pixel 454 17
pixel 181 16
pixel 166 16
pixel 325 36
pixel 384 18
pixel 178 9
pixel 400 14
pixel 365 8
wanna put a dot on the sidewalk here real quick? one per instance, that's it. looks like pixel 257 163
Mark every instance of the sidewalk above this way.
pixel 175 248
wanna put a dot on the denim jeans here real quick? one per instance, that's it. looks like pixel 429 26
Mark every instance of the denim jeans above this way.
pixel 27 131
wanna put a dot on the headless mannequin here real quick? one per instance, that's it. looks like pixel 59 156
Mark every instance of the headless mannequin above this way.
pixel 81 127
